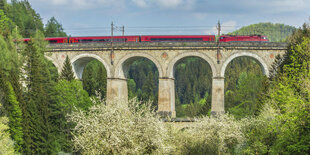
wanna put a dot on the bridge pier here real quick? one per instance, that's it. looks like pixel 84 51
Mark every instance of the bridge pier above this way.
pixel 217 104
pixel 117 89
pixel 166 97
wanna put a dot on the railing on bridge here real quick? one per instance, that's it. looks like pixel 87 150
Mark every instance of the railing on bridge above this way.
pixel 150 45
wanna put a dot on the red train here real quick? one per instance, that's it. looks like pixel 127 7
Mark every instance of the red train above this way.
pixel 157 38
pixel 229 38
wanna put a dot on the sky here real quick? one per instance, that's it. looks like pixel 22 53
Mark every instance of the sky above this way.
pixel 167 17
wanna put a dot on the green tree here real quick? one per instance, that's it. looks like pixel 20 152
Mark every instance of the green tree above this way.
pixel 143 80
pixel 193 86
pixel 89 80
pixel 102 82
pixel 289 95
pixel 244 85
pixel 54 29
pixel 6 24
pixel 6 143
pixel 148 89
pixel 95 79
pixel 3 4
pixel 53 71
pixel 68 96
pixel 67 72
pixel 15 117
pixel 38 128
pixel 292 97
pixel 25 17
pixel 274 31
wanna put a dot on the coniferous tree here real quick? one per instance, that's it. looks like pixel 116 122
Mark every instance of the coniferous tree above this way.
pixel 67 73
pixel 25 17
pixel 38 128
pixel 54 29
pixel 95 79
pixel 89 82
pixel 102 81
pixel 15 117
pixel 68 96
pixel 148 89
pixel 2 4
pixel 6 143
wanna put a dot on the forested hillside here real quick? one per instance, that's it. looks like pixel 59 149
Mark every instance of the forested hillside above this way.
pixel 54 113
pixel 22 17
pixel 274 31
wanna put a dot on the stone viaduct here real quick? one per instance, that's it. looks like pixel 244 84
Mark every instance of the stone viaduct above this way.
pixel 165 56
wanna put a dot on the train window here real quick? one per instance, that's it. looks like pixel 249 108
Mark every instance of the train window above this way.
pixel 176 39
pixel 52 41
pixel 86 40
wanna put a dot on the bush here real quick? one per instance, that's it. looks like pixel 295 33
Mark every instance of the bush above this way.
pixel 119 128
pixel 258 132
pixel 209 135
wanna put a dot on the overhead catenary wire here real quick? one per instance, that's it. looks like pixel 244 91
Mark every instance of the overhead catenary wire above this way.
pixel 159 30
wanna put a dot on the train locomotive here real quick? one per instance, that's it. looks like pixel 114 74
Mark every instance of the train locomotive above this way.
pixel 156 38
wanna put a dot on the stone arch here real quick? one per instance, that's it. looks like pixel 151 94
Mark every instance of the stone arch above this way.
pixel 55 64
pixel 170 71
pixel 80 61
pixel 260 61
pixel 123 65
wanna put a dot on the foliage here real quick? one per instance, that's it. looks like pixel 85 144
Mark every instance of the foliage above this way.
pixel 15 117
pixel 9 60
pixel 119 128
pixel 37 126
pixel 143 80
pixel 95 79
pixel 22 14
pixel 67 72
pixel 193 87
pixel 289 93
pixel 54 29
pixel 244 84
pixel 209 135
pixel 274 32
pixel 53 71
pixel 6 24
pixel 200 108
pixel 258 132
pixel 6 143
pixel 70 94
pixel 67 96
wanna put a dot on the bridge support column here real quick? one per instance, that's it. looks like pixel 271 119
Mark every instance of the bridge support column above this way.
pixel 166 97
pixel 117 90
pixel 217 105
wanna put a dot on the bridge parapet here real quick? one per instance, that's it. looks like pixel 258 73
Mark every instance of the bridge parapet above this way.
pixel 165 45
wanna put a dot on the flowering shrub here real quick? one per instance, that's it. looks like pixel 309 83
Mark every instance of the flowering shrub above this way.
pixel 210 135
pixel 119 128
